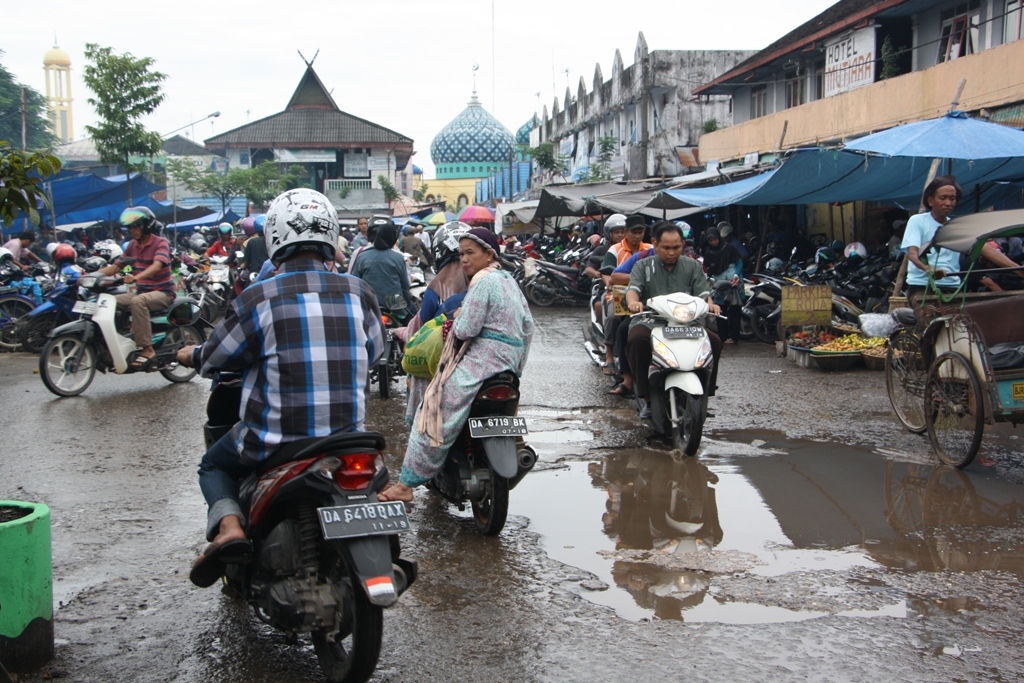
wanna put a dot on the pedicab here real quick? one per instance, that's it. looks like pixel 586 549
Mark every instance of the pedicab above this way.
pixel 973 349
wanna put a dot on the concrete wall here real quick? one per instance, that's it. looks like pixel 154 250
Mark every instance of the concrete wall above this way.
pixel 994 77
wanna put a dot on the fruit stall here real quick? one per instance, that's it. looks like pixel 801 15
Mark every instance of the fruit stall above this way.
pixel 831 350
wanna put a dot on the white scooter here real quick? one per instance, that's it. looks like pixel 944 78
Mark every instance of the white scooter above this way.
pixel 681 363
pixel 75 351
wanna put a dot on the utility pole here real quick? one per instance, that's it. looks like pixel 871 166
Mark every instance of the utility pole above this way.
pixel 24 120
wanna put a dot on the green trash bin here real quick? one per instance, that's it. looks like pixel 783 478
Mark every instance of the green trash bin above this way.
pixel 26 586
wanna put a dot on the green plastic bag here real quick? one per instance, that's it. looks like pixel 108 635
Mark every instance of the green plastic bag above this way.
pixel 423 351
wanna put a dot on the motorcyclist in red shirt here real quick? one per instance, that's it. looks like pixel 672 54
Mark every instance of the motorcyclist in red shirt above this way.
pixel 225 246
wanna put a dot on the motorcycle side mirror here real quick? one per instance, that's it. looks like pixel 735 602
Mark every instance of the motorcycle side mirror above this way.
pixel 394 302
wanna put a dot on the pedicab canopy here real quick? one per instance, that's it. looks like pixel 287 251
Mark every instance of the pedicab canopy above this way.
pixel 968 234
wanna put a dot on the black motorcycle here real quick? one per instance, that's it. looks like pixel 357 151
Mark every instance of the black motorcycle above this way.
pixel 325 554
pixel 484 465
pixel 389 367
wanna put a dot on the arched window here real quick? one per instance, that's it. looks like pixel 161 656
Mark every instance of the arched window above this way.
pixel 430 198
pixel 463 201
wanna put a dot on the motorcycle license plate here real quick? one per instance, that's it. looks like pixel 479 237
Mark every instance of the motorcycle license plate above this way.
pixel 85 307
pixel 366 519
pixel 484 427
pixel 676 332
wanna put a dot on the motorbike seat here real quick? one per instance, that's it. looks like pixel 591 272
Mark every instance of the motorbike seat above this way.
pixel 561 269
pixel 905 316
pixel 307 448
pixel 506 377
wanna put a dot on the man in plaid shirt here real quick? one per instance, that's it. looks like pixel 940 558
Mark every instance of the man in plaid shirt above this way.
pixel 304 341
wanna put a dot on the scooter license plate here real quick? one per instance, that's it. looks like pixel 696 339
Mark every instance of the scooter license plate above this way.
pixel 675 332
pixel 484 427
pixel 84 307
pixel 365 519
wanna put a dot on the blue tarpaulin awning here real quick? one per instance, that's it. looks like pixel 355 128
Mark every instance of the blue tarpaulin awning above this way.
pixel 953 136
pixel 813 176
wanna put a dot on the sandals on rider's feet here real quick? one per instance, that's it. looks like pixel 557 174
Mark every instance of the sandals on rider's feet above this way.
pixel 621 390
pixel 608 368
pixel 142 363
pixel 209 567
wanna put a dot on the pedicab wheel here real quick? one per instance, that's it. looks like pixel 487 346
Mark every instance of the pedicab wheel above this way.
pixel 181 337
pixel 950 499
pixel 954 409
pixel 905 377
pixel 13 310
pixel 491 511
pixel 349 655
pixel 67 365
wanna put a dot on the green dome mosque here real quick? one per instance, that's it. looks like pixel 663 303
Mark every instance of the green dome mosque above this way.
pixel 473 145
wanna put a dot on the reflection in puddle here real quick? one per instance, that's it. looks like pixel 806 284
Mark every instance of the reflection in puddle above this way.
pixel 659 531
pixel 561 436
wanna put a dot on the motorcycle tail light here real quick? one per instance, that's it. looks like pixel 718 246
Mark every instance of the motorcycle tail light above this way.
pixel 498 393
pixel 351 471
pixel 269 484
pixel 385 318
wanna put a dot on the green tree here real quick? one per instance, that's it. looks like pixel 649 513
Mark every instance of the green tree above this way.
pixel 38 135
pixel 391 192
pixel 258 185
pixel 601 169
pixel 547 158
pixel 125 91
pixel 21 179
pixel 420 193
pixel 710 126
pixel 890 59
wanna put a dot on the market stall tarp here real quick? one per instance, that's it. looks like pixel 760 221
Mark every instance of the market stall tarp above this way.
pixel 575 200
pixel 816 175
pixel 208 219
pixel 517 218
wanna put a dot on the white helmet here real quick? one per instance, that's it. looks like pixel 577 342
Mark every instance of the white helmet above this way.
pixel 108 249
pixel 6 255
pixel 613 222
pixel 301 220
pixel 446 242
pixel 855 250
pixel 51 247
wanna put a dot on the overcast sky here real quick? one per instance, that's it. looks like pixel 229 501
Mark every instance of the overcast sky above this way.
pixel 406 65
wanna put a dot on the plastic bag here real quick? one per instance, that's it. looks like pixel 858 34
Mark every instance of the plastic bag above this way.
pixel 423 351
pixel 877 324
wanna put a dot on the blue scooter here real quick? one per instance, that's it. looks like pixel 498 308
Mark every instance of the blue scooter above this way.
pixel 54 311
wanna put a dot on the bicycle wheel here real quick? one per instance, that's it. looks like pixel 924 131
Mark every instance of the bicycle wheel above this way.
pixel 954 409
pixel 12 309
pixel 905 376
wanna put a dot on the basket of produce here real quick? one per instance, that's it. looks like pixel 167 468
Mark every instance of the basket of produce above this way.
pixel 874 358
pixel 839 354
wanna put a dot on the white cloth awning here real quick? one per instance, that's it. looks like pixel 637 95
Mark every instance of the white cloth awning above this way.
pixel 68 227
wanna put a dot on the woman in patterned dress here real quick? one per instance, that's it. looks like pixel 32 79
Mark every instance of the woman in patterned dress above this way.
pixel 491 333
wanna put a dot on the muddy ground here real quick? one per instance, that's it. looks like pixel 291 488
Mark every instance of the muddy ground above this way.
pixel 811 539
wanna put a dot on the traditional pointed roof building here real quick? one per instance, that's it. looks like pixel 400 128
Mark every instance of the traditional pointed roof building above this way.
pixel 339 149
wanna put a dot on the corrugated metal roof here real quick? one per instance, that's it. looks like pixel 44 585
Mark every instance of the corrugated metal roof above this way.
pixel 311 119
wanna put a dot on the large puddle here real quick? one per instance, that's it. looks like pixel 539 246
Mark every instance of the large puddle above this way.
pixel 658 529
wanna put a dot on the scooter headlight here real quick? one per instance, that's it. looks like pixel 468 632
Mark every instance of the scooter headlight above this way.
pixel 684 313
pixel 703 353
pixel 662 351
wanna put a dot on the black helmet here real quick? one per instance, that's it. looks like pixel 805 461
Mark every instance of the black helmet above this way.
pixel 141 217
pixel 94 263
pixel 197 243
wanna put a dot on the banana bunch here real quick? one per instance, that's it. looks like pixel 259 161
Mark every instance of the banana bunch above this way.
pixel 852 342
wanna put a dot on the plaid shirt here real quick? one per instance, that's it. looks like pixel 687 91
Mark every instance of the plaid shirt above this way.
pixel 304 341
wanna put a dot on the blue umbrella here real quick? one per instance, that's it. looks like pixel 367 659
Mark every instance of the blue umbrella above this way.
pixel 953 136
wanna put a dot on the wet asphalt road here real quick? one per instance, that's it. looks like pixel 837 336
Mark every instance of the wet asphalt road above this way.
pixel 811 539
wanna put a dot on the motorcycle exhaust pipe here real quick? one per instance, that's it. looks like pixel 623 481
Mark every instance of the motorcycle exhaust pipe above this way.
pixel 527 458
pixel 545 290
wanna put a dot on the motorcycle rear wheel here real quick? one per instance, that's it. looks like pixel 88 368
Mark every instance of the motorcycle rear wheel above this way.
pixel 185 336
pixel 13 309
pixel 33 334
pixel 746 328
pixel 355 663
pixel 491 511
pixel 57 366
pixel 538 297
pixel 763 330
pixel 384 380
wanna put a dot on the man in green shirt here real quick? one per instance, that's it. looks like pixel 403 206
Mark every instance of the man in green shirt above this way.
pixel 667 272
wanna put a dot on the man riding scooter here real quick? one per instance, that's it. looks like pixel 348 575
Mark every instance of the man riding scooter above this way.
pixel 151 275
pixel 666 272
pixel 314 385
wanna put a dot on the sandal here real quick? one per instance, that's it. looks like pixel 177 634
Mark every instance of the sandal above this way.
pixel 142 363
pixel 608 368
pixel 622 390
